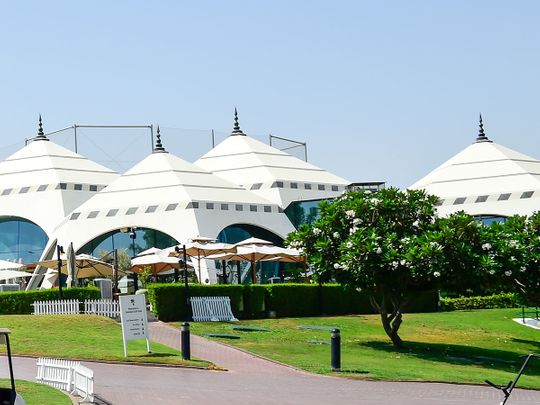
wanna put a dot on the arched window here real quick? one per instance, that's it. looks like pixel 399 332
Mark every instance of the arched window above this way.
pixel 145 238
pixel 21 240
pixel 489 219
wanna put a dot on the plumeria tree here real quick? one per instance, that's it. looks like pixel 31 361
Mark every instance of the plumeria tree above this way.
pixel 391 245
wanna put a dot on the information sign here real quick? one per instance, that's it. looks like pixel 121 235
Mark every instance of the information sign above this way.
pixel 134 319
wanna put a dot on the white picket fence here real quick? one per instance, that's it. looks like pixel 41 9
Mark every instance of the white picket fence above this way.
pixel 63 307
pixel 67 375
pixel 108 308
pixel 212 309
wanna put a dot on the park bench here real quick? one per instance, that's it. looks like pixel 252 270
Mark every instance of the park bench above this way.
pixel 213 309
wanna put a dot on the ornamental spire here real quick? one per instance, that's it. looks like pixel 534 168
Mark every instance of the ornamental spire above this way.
pixel 159 147
pixel 481 135
pixel 236 128
pixel 40 135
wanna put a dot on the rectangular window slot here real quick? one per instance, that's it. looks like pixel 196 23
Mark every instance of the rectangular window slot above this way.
pixel 239 207
pixel 527 194
pixel 112 213
pixel 43 187
pixel 439 203
pixel 504 197
pixel 78 187
pixel 460 200
pixel 335 188
pixel 267 208
pixel 253 208
pixel 321 187
pixel 93 214
pixel 131 210
pixel 24 190
pixel 225 207
pixel 294 185
pixel 7 191
pixel 209 206
pixel 278 184
pixel 93 187
pixel 74 216
pixel 171 207
pixel 307 186
pixel 256 186
pixel 150 209
pixel 193 204
pixel 481 199
pixel 62 186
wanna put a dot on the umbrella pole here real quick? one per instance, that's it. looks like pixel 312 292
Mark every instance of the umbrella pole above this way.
pixel 59 250
pixel 223 272
pixel 253 271
pixel 239 272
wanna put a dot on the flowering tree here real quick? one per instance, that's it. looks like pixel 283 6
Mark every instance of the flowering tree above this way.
pixel 391 245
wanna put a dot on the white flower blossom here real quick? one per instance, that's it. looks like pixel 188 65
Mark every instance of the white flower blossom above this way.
pixel 316 231
pixel 335 235
pixel 522 268
pixel 492 272
pixel 350 244
pixel 349 213
pixel 403 262
pixel 508 273
pixel 486 246
pixel 379 250
pixel 356 221
pixel 436 274
pixel 353 230
pixel 395 264
pixel 336 266
pixel 513 243
pixel 415 224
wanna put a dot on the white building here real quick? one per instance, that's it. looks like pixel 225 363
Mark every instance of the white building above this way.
pixel 487 180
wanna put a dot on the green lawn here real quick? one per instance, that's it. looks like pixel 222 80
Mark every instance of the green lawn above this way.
pixel 81 337
pixel 461 346
pixel 37 394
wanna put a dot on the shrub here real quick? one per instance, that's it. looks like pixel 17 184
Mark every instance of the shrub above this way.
pixel 503 300
pixel 255 297
pixel 20 302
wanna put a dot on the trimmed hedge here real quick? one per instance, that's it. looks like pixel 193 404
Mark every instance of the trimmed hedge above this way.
pixel 503 300
pixel 285 300
pixel 20 302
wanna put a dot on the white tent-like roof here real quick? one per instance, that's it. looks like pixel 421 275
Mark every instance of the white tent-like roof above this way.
pixel 43 182
pixel 166 193
pixel 486 179
pixel 269 172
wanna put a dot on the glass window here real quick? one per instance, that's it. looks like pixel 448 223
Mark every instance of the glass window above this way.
pixel 489 219
pixel 307 186
pixel 527 194
pixel 131 211
pixel 267 208
pixel 504 197
pixel 150 209
pixel 24 190
pixel 303 212
pixel 21 240
pixel 43 187
pixel 112 212
pixel 193 204
pixel 78 187
pixel 62 186
pixel 239 207
pixel 294 185
pixel 321 187
pixel 481 198
pixel 253 208
pixel 209 206
pixel 335 188
pixel 278 184
pixel 93 214
pixel 225 207
pixel 171 207
pixel 74 216
pixel 460 200
pixel 7 191
pixel 439 202
pixel 256 186
pixel 93 187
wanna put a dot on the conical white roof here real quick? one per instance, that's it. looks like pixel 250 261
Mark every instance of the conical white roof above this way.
pixel 43 182
pixel 166 193
pixel 268 171
pixel 507 181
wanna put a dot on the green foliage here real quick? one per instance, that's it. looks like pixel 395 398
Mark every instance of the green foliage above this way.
pixel 504 300
pixel 254 301
pixel 294 299
pixel 20 302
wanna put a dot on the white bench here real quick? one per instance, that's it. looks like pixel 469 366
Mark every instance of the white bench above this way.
pixel 213 309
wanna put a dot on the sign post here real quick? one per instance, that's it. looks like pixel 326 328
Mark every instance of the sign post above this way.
pixel 134 319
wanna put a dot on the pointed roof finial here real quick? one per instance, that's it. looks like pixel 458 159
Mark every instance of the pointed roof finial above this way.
pixel 159 147
pixel 40 135
pixel 481 135
pixel 236 128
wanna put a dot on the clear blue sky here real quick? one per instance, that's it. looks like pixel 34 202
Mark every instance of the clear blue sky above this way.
pixel 379 90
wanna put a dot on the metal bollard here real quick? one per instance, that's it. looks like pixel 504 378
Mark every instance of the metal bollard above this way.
pixel 184 336
pixel 335 350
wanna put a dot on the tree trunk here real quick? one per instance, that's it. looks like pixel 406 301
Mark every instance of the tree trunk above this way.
pixel 390 309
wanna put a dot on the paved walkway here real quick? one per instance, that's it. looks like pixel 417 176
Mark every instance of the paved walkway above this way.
pixel 252 380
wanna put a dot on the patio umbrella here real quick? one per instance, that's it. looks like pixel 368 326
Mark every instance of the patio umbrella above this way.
pixel 87 266
pixel 71 267
pixel 9 274
pixel 201 248
pixel 157 259
pixel 6 264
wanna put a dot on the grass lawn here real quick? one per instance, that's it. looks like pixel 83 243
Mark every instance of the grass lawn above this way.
pixel 81 337
pixel 37 394
pixel 460 346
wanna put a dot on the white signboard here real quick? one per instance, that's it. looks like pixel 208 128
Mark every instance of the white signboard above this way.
pixel 134 320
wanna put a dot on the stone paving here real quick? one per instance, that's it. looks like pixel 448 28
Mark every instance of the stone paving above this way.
pixel 252 380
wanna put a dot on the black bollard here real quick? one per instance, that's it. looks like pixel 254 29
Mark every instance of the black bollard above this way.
pixel 184 336
pixel 335 350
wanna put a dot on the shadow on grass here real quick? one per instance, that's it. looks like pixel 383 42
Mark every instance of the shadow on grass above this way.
pixel 461 355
